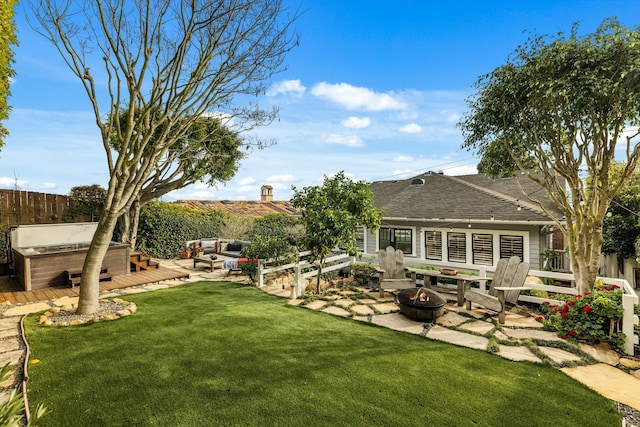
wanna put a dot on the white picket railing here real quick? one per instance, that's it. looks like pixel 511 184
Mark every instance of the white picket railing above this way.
pixel 629 296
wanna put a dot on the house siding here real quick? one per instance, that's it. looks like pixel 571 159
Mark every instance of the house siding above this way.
pixel 532 238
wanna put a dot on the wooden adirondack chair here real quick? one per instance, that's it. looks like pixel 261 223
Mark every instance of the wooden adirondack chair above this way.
pixel 506 285
pixel 391 270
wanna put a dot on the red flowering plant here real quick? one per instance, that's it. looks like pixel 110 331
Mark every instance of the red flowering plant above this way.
pixel 592 317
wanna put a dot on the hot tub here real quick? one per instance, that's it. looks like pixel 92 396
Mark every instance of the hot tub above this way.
pixel 39 267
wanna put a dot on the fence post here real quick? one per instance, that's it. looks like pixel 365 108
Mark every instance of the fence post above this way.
pixel 482 272
pixel 297 285
pixel 259 273
pixel 629 319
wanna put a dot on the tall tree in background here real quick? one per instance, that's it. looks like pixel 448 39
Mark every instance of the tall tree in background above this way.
pixel 557 111
pixel 332 214
pixel 7 39
pixel 209 152
pixel 163 64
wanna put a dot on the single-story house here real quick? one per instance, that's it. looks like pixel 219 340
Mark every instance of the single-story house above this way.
pixel 471 221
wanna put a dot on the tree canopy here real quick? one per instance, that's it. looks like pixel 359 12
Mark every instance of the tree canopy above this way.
pixel 559 110
pixel 332 213
pixel 154 67
pixel 7 39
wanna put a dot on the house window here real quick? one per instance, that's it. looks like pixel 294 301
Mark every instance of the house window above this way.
pixel 433 242
pixel 397 238
pixel 360 239
pixel 482 245
pixel 511 245
pixel 457 247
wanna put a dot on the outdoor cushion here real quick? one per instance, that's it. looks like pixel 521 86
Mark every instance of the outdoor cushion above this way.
pixel 208 243
pixel 234 247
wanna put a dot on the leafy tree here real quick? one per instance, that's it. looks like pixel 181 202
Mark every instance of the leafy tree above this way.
pixel 7 39
pixel 209 152
pixel 166 64
pixel 622 224
pixel 88 201
pixel 332 214
pixel 268 247
pixel 556 111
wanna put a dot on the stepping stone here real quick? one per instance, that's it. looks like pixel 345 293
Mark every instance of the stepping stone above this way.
pixel 344 302
pixel 131 291
pixel 531 333
pixel 295 302
pixel 9 333
pixel 61 302
pixel 500 335
pixel 519 321
pixel 10 357
pixel 367 301
pixel 316 305
pixel 451 318
pixel 558 355
pixel 156 287
pixel 361 318
pixel 474 312
pixel 386 308
pixel 9 345
pixel 333 297
pixel 337 311
pixel 398 322
pixel 347 293
pixel 602 353
pixel 610 382
pixel 478 326
pixel 362 309
pixel 27 309
pixel 517 353
pixel 459 338
pixel 9 323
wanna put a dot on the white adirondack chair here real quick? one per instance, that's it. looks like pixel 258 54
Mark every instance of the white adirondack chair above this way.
pixel 506 285
pixel 391 270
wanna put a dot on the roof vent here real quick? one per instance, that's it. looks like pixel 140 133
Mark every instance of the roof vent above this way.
pixel 417 181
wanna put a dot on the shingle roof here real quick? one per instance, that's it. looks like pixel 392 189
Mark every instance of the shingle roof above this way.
pixel 433 196
pixel 246 208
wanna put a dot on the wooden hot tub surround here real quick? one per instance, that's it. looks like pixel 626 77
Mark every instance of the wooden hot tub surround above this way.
pixel 46 266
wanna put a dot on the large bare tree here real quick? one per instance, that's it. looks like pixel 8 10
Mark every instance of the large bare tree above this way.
pixel 561 110
pixel 164 63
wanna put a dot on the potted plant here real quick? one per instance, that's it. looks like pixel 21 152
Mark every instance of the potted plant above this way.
pixel 185 252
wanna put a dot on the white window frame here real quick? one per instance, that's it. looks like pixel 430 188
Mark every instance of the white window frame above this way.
pixel 413 253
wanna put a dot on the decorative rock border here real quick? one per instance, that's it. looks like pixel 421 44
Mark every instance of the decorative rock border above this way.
pixel 108 310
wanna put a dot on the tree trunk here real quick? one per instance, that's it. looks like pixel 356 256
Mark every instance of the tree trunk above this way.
pixel 90 281
pixel 129 224
pixel 585 254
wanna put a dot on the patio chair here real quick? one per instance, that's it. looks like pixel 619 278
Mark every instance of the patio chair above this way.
pixel 506 285
pixel 391 270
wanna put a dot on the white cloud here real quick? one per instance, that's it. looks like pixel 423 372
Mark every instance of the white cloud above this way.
pixel 353 97
pixel 281 178
pixel 348 140
pixel 461 170
pixel 403 159
pixel 6 182
pixel 246 181
pixel 287 87
pixel 356 122
pixel 411 128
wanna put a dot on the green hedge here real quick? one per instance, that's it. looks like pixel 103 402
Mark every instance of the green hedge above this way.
pixel 165 227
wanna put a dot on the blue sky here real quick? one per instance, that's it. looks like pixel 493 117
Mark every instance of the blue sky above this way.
pixel 375 88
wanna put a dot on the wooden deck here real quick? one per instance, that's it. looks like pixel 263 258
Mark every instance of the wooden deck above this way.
pixel 10 290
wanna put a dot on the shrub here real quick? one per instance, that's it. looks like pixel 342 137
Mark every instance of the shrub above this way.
pixel 165 227
pixel 593 316
pixel 274 248
pixel 362 273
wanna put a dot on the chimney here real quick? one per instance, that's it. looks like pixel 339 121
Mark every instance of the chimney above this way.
pixel 266 193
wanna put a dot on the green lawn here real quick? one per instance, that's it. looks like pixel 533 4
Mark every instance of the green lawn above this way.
pixel 218 353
